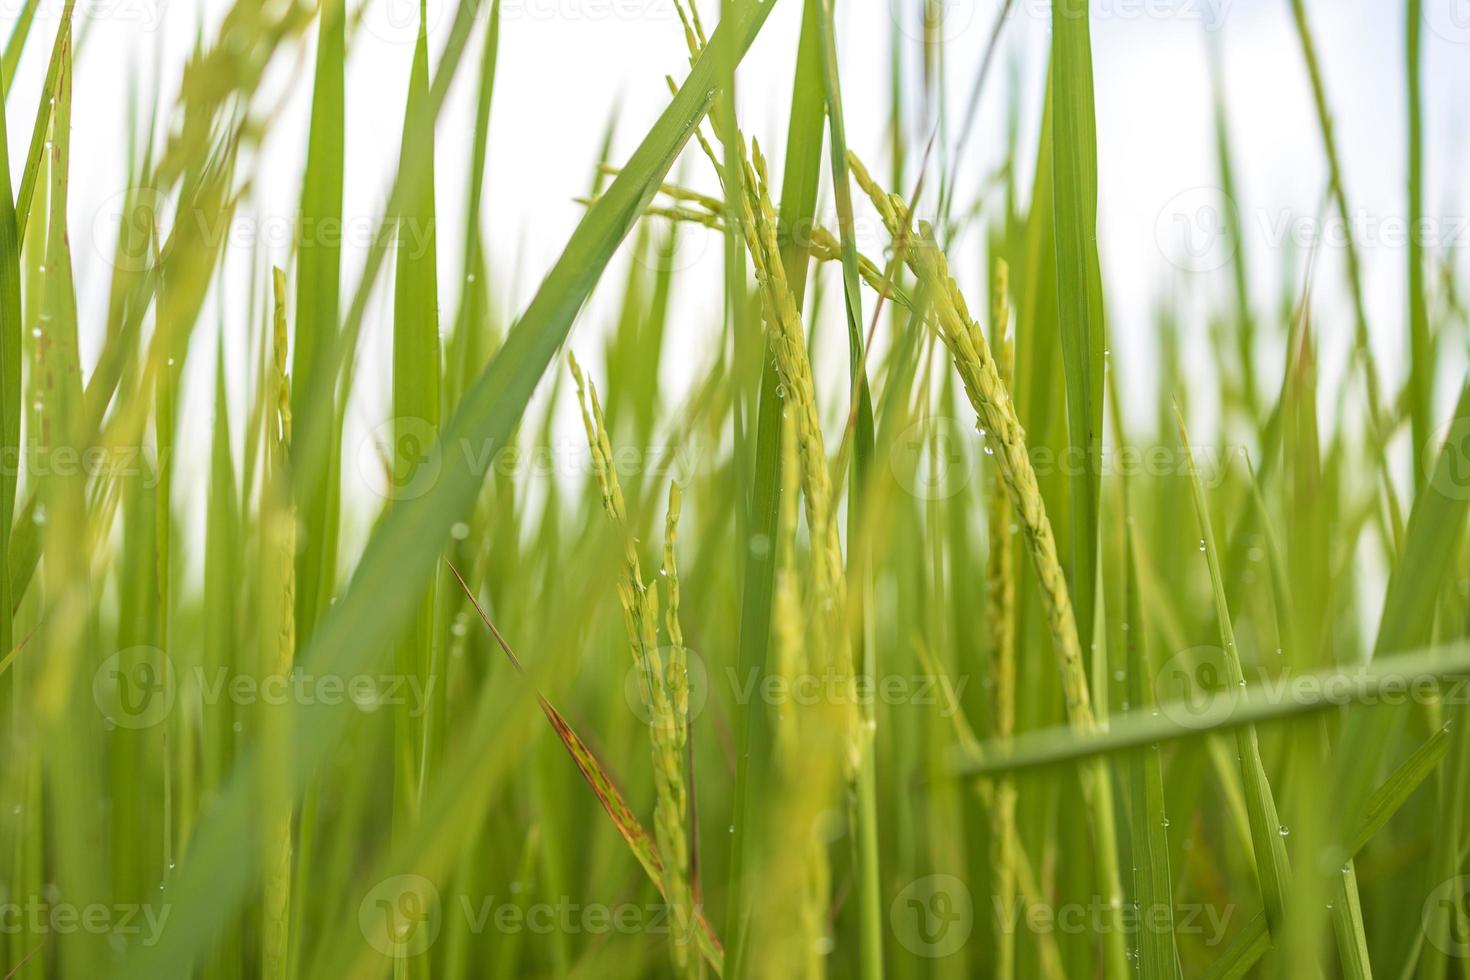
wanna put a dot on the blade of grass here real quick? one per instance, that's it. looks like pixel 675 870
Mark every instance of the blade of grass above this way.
pixel 1421 366
pixel 870 899
pixel 1079 286
pixel 43 121
pixel 1246 334
pixel 10 355
pixel 1318 691
pixel 416 409
pixel 1272 867
pixel 1378 420
pixel 15 44
pixel 1158 954
pixel 318 288
pixel 71 760
pixel 474 309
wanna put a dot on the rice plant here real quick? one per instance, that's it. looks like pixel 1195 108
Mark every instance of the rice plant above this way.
pixel 877 621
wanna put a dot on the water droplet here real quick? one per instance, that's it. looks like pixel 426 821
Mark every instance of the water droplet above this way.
pixel 459 531
pixel 1284 831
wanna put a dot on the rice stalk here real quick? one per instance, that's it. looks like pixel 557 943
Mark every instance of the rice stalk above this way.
pixel 997 416
pixel 278 649
pixel 821 244
pixel 991 400
pixel 668 725
pixel 758 224
pixel 761 527
pixel 790 930
pixel 1379 421
pixel 1000 593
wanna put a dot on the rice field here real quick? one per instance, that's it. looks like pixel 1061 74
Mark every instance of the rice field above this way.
pixel 875 619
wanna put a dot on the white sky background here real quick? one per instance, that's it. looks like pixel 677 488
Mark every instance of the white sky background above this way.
pixel 566 66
